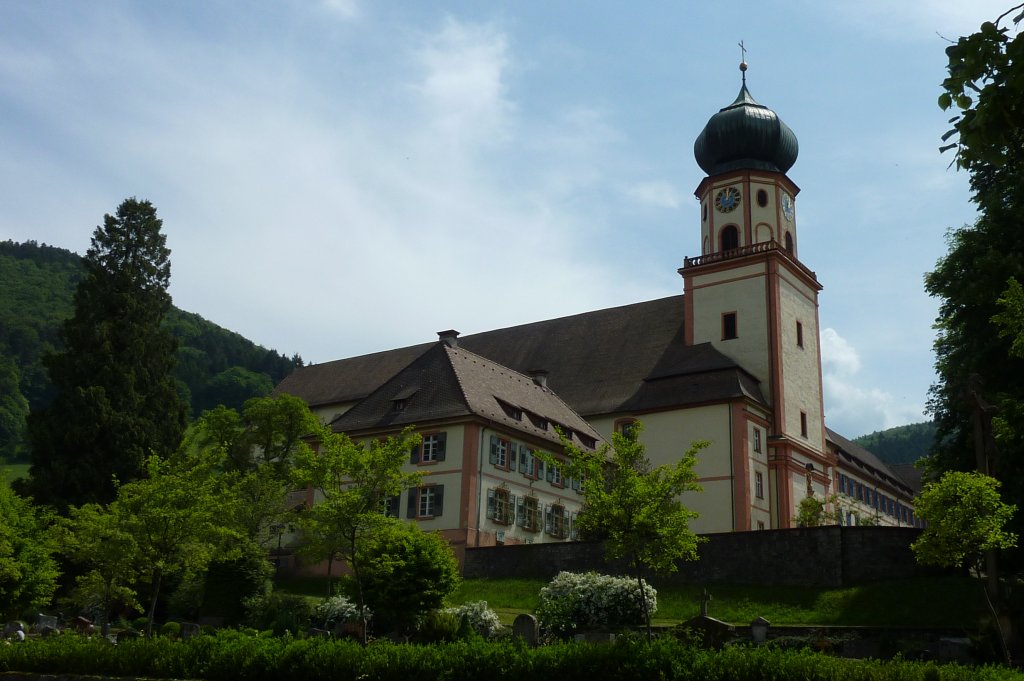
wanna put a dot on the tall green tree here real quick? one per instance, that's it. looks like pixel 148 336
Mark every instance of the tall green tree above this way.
pixel 94 537
pixel 634 507
pixel 13 411
pixel 353 483
pixel 116 401
pixel 984 91
pixel 178 519
pixel 28 572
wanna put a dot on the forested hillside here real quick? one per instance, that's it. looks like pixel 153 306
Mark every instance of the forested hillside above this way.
pixel 37 285
pixel 902 444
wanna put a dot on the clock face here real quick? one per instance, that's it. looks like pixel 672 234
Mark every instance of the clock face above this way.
pixel 787 207
pixel 727 200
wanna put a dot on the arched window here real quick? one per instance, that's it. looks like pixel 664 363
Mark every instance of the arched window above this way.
pixel 789 243
pixel 730 238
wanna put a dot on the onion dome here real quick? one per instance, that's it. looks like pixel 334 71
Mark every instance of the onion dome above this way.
pixel 745 135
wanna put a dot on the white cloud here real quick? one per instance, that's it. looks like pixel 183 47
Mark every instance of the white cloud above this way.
pixel 462 86
pixel 853 409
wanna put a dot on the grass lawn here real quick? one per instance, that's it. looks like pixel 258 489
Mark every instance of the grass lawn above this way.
pixel 941 601
pixel 14 471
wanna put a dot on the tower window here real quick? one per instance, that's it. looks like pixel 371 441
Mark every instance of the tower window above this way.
pixel 789 243
pixel 704 212
pixel 803 423
pixel 762 198
pixel 758 485
pixel 799 334
pixel 730 238
pixel 729 326
pixel 757 440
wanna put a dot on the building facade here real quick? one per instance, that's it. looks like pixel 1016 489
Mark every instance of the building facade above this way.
pixel 734 360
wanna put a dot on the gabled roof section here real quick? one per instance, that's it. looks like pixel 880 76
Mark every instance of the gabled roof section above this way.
pixel 628 358
pixel 347 380
pixel 867 461
pixel 449 382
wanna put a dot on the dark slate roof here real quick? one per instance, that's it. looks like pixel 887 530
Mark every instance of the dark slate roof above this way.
pixel 745 134
pixel 623 359
pixel 449 382
pixel 871 463
pixel 910 474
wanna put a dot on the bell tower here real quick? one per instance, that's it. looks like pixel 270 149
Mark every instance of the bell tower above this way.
pixel 750 296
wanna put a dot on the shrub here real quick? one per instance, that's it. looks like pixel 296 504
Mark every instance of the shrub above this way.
pixel 406 573
pixel 279 612
pixel 139 623
pixel 479 616
pixel 339 610
pixel 588 600
pixel 172 629
pixel 439 626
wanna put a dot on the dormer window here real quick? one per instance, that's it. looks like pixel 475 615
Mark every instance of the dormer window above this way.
pixel 538 422
pixel 511 411
pixel 401 399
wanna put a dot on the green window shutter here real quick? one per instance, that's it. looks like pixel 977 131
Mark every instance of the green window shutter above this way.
pixel 393 503
pixel 523 453
pixel 442 441
pixel 414 453
pixel 414 498
pixel 547 519
pixel 438 499
pixel 494 449
pixel 551 472
pixel 539 463
pixel 490 503
pixel 520 512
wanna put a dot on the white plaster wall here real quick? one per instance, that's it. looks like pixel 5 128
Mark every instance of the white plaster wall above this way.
pixel 668 434
pixel 745 296
pixel 801 378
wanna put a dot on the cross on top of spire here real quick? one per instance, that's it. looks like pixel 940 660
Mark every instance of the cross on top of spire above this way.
pixel 743 61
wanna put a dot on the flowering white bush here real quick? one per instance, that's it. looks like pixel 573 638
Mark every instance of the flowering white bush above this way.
pixel 584 601
pixel 338 609
pixel 479 616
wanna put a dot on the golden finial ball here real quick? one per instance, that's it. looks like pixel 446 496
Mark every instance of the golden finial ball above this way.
pixel 743 66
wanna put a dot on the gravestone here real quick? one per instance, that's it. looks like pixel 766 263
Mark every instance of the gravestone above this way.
pixel 525 627
pixel 188 630
pixel 45 624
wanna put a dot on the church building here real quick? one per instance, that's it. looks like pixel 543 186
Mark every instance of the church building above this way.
pixel 735 360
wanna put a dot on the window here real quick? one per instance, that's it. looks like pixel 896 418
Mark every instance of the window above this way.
pixel 842 484
pixel 512 411
pixel 430 450
pixel 704 212
pixel 499 506
pixel 789 243
pixel 426 502
pixel 758 485
pixel 501 452
pixel 757 440
pixel 574 532
pixel 799 335
pixel 527 462
pixel 556 521
pixel 391 506
pixel 528 513
pixel 760 524
pixel 803 423
pixel 730 238
pixel 762 198
pixel 728 325
pixel 555 476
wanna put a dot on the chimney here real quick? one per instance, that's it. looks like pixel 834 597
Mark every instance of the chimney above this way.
pixel 540 377
pixel 449 338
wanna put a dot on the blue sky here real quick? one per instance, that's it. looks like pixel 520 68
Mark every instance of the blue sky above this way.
pixel 341 177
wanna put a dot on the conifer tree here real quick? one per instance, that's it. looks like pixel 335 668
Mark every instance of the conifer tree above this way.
pixel 116 401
